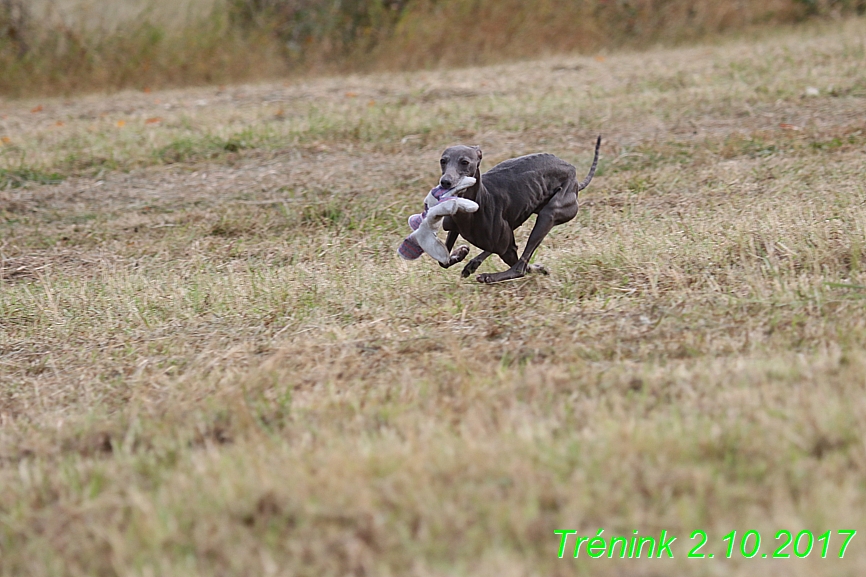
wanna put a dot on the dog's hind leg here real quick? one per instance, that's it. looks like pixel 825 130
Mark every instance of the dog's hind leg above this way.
pixel 561 208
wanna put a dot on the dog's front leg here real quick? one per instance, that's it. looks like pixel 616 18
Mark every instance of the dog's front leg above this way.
pixel 459 254
pixel 473 264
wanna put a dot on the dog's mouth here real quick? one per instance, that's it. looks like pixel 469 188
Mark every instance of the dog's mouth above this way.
pixel 462 184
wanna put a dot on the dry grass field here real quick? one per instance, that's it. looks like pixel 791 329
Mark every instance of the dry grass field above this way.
pixel 213 362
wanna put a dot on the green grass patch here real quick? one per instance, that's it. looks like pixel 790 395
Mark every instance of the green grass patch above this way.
pixel 18 177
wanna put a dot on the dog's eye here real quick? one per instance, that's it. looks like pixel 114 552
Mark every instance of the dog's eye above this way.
pixel 464 162
pixel 443 161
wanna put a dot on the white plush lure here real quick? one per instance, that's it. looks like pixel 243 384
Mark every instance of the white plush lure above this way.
pixel 438 204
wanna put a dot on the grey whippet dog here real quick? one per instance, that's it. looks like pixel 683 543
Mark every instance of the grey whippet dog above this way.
pixel 507 195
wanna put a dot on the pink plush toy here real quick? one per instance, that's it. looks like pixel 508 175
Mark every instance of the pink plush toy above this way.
pixel 438 204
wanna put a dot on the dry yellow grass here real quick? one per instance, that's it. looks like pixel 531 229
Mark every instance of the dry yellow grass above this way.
pixel 213 362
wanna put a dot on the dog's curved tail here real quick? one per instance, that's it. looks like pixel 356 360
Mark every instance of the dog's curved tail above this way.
pixel 589 176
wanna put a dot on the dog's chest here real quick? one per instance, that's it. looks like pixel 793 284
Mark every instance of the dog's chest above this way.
pixel 483 229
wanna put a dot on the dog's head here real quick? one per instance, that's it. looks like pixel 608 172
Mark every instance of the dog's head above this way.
pixel 460 161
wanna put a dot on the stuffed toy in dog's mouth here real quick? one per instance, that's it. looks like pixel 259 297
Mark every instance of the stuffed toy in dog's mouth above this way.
pixel 439 203
pixel 437 195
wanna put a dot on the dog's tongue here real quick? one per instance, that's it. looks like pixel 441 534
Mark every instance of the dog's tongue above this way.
pixel 439 191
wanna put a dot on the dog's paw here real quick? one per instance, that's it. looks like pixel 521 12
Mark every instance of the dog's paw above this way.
pixel 470 268
pixel 537 269
pixel 459 254
pixel 490 278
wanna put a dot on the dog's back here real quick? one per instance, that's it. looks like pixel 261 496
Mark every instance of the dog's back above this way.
pixel 524 185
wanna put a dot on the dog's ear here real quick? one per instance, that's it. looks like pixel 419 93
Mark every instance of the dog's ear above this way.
pixel 477 151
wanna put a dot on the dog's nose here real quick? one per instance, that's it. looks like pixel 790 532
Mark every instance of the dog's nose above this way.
pixel 445 182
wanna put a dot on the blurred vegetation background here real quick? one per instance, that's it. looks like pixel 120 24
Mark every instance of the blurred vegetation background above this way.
pixel 66 46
